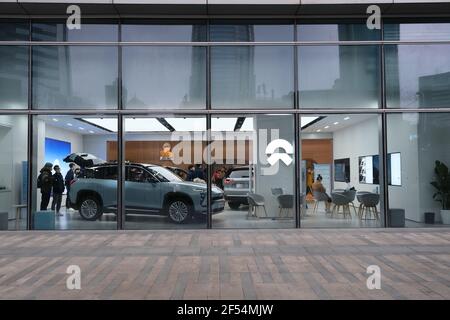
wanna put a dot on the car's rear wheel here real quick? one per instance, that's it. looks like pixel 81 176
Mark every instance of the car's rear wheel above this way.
pixel 90 208
pixel 234 205
pixel 179 211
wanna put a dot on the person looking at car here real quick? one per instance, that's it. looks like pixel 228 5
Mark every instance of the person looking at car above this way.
pixel 58 189
pixel 70 175
pixel 45 183
pixel 218 177
pixel 196 173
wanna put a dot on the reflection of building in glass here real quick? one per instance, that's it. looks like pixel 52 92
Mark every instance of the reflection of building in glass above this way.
pixel 357 67
pixel 434 90
pixel 233 68
pixel 197 84
pixel 354 70
pixel 13 66
pixel 51 66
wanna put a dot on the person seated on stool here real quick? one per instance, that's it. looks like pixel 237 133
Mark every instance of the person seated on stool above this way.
pixel 318 187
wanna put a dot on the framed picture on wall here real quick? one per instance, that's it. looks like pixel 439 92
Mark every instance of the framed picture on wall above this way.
pixel 166 152
pixel 342 170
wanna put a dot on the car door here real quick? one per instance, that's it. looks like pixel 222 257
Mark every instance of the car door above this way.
pixel 104 182
pixel 142 191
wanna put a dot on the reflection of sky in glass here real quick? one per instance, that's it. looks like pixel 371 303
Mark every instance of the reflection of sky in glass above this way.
pixel 164 77
pixel 417 31
pixel 428 60
pixel 319 67
pixel 259 33
pixel 87 32
pixel 161 33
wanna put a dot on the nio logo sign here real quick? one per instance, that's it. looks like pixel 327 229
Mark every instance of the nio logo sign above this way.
pixel 274 157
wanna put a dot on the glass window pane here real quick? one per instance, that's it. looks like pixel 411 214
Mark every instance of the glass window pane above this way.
pixel 251 77
pixel 415 141
pixel 339 76
pixel 417 31
pixel 14 77
pixel 251 30
pixel 258 187
pixel 417 76
pixel 341 171
pixel 80 77
pixel 13 172
pixel 165 185
pixel 56 30
pixel 336 32
pixel 14 30
pixel 164 77
pixel 82 193
pixel 163 30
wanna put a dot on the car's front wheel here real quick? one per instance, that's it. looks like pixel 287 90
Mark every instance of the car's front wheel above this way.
pixel 234 205
pixel 90 208
pixel 179 211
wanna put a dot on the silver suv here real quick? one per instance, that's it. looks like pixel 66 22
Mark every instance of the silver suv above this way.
pixel 149 189
pixel 237 186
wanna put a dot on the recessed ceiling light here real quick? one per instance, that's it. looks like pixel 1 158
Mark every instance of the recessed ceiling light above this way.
pixel 346 118
pixel 318 130
pixel 336 123
pixel 69 124
pixel 326 127
pixel 81 128
pixel 54 119
pixel 90 131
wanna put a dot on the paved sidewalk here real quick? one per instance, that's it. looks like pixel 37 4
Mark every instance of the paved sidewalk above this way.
pixel 226 264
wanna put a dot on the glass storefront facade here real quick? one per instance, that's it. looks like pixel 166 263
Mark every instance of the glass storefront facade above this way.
pixel 224 123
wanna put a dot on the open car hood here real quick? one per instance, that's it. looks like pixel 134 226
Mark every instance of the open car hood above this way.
pixel 83 159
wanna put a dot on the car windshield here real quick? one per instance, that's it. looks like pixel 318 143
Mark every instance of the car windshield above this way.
pixel 164 175
pixel 240 173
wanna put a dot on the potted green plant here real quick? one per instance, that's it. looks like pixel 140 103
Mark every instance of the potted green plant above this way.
pixel 442 185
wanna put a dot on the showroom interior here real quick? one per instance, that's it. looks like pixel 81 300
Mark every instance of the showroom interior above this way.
pixel 168 123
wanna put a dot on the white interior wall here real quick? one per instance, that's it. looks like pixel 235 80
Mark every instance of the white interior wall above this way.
pixel 13 146
pixel 353 142
pixel 403 139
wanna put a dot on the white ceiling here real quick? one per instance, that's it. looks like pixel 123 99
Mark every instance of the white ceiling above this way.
pixel 96 125
pixel 332 123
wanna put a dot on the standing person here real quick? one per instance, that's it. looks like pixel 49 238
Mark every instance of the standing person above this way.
pixel 58 189
pixel 195 172
pixel 70 175
pixel 218 177
pixel 45 183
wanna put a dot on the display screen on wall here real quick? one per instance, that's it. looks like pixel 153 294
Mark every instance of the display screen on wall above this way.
pixel 342 170
pixel 395 169
pixel 55 151
pixel 369 169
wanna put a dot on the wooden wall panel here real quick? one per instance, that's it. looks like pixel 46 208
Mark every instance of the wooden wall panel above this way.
pixel 318 150
pixel 149 152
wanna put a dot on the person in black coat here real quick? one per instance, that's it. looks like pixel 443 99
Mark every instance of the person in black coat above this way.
pixel 70 175
pixel 58 190
pixel 45 183
pixel 195 172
